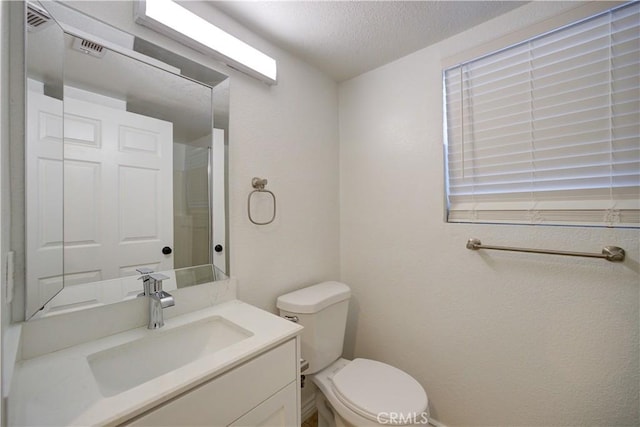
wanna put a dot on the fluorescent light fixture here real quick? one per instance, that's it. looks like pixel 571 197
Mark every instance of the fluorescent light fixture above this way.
pixel 169 18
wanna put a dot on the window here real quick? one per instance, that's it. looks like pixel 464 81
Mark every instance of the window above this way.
pixel 548 131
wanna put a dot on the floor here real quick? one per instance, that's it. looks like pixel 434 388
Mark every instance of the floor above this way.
pixel 312 421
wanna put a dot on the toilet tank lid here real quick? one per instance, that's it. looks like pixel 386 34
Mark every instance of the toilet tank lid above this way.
pixel 313 298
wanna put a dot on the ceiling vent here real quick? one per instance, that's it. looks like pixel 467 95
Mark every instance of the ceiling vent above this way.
pixel 89 47
pixel 37 18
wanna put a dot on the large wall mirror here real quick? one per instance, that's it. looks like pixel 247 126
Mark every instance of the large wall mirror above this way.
pixel 125 165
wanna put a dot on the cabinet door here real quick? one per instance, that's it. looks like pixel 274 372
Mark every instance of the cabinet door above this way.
pixel 279 410
pixel 225 398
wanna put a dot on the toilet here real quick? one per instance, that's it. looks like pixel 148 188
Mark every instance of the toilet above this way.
pixel 359 392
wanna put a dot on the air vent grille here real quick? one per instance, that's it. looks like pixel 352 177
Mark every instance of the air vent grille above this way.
pixel 86 44
pixel 37 19
pixel 89 47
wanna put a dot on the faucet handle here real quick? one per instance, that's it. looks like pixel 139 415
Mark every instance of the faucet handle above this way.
pixel 155 281
pixel 145 275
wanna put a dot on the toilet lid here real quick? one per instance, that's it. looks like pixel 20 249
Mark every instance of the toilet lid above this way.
pixel 377 391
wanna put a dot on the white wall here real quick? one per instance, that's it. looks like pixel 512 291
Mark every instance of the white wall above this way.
pixel 495 338
pixel 286 133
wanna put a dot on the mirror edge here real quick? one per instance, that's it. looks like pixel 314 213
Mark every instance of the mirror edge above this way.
pixel 17 134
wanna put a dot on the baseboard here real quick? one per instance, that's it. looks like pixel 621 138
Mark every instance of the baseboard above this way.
pixel 436 423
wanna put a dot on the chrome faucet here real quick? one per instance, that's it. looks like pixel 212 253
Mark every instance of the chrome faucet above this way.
pixel 158 299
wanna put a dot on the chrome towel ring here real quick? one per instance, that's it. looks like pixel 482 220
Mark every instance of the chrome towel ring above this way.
pixel 258 184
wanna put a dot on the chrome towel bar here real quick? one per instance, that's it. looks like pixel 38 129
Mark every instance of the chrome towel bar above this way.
pixel 610 253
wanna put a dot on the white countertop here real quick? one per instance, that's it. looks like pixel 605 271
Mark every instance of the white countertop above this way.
pixel 59 388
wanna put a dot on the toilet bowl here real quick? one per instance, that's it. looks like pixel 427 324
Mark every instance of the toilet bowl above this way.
pixel 361 392
pixel 365 392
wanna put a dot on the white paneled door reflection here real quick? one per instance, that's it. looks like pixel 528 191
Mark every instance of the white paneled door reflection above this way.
pixel 43 199
pixel 118 191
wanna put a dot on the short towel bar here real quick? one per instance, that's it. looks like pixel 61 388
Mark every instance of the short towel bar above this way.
pixel 610 253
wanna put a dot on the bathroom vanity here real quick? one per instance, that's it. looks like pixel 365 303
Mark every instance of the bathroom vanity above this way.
pixel 227 363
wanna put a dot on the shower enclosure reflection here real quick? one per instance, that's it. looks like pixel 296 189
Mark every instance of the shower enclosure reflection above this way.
pixel 120 172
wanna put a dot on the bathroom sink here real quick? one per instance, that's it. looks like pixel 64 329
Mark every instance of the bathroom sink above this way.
pixel 121 368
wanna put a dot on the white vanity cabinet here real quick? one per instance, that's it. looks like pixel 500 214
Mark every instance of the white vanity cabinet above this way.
pixel 262 391
pixel 279 410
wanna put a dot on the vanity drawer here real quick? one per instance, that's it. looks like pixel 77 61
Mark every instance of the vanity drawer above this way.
pixel 223 399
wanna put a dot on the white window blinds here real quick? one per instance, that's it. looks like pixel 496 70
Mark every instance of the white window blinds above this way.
pixel 548 131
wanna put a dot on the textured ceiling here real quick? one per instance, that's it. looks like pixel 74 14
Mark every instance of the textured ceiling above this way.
pixel 348 38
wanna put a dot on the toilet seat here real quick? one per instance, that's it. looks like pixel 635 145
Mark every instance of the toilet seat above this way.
pixel 379 392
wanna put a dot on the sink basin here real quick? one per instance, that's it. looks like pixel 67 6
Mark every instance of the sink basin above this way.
pixel 121 368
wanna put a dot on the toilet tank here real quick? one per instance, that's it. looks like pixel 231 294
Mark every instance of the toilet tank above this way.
pixel 322 310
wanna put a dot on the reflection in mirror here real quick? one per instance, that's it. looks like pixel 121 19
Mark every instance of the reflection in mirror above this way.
pixel 125 142
pixel 139 179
